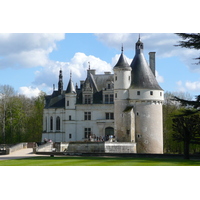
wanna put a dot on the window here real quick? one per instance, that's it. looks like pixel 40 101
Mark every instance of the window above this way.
pixel 109 115
pixel 51 123
pixel 127 132
pixel 106 98
pixel 46 123
pixel 87 132
pixel 109 98
pixel 108 85
pixel 87 99
pixel 87 115
pixel 115 95
pixel 138 92
pixel 161 94
pixel 129 78
pixel 58 123
pixel 115 78
pixel 70 136
pixel 67 103
pixel 151 92
pixel 70 117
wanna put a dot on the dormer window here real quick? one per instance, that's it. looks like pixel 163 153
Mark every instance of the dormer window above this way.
pixel 88 99
pixel 108 85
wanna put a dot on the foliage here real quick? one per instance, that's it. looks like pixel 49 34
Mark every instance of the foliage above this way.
pixel 20 117
pixel 170 108
pixel 191 41
pixel 186 129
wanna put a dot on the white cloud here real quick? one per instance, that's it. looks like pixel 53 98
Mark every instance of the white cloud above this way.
pixel 78 65
pixel 188 86
pixel 29 91
pixel 195 86
pixel 159 78
pixel 161 43
pixel 24 50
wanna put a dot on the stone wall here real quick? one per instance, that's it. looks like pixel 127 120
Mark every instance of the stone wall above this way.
pixel 96 147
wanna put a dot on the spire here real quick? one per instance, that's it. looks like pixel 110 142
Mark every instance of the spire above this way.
pixel 70 87
pixel 122 63
pixel 139 46
pixel 60 82
pixel 142 75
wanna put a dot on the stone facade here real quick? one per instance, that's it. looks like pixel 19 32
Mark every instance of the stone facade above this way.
pixel 126 105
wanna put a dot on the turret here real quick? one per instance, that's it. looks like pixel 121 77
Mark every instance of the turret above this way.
pixel 70 95
pixel 122 75
pixel 122 81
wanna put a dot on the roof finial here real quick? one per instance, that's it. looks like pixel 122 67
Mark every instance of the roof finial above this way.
pixel 122 48
pixel 139 36
pixel 70 74
pixel 89 65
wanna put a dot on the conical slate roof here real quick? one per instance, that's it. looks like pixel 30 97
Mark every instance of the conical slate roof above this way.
pixel 122 63
pixel 70 87
pixel 142 76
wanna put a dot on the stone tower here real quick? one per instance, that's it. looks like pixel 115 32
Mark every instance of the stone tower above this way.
pixel 122 82
pixel 70 106
pixel 146 98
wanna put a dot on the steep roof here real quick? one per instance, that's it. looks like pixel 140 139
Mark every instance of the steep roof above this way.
pixel 142 75
pixel 122 63
pixel 70 87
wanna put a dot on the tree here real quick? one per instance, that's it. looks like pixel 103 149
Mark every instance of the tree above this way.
pixel 169 108
pixel 186 129
pixel 191 41
pixel 20 117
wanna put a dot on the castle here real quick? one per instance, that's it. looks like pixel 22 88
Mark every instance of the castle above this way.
pixel 126 105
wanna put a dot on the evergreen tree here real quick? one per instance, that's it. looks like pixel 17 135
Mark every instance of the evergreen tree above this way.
pixel 187 130
pixel 191 41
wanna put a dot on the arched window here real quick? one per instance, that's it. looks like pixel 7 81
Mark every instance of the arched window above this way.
pixel 58 123
pixel 51 123
pixel 45 123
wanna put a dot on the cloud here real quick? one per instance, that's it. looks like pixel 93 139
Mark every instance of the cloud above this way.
pixel 78 65
pixel 194 86
pixel 29 91
pixel 161 43
pixel 24 50
pixel 188 86
pixel 159 78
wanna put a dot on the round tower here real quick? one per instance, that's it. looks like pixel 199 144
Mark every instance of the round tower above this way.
pixel 70 114
pixel 70 95
pixel 122 81
pixel 146 97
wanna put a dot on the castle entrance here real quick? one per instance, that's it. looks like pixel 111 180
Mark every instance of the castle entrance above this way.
pixel 109 131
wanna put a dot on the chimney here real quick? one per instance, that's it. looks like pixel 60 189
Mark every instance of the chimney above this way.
pixel 152 63
pixel 81 84
pixel 92 71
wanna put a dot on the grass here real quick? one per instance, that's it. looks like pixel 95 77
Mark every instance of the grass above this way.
pixel 98 161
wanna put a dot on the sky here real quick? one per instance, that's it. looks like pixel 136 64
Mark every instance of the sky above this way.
pixel 30 62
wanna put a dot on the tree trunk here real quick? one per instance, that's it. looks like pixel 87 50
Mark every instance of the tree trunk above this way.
pixel 187 146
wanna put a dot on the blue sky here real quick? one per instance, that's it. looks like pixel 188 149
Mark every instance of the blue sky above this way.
pixel 31 53
pixel 31 62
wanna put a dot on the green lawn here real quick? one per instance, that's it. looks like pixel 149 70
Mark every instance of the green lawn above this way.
pixel 98 161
